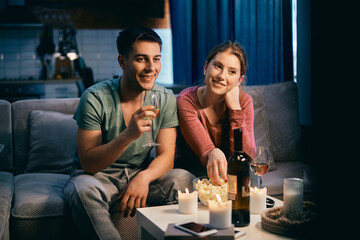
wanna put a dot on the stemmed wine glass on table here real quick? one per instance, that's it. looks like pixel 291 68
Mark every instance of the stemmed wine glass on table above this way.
pixel 261 163
pixel 154 100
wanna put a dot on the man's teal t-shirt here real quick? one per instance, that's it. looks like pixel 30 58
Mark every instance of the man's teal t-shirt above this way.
pixel 100 109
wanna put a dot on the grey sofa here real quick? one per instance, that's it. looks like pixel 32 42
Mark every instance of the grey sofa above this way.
pixel 43 143
pixel 6 166
pixel 277 125
pixel 39 143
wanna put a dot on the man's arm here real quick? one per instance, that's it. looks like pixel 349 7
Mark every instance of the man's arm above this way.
pixel 95 157
pixel 134 196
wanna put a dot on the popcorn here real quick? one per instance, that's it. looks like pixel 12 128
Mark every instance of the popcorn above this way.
pixel 207 191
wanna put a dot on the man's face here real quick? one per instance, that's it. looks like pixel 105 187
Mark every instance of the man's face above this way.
pixel 142 66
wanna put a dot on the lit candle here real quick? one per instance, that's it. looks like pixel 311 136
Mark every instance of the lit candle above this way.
pixel 188 202
pixel 293 196
pixel 257 200
pixel 220 213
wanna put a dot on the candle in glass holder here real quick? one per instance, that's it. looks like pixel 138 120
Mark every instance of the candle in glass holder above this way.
pixel 188 202
pixel 293 196
pixel 257 200
pixel 220 213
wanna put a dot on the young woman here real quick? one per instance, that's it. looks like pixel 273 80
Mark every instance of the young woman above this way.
pixel 209 113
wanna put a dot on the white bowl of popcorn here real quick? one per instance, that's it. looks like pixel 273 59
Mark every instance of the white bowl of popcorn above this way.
pixel 207 191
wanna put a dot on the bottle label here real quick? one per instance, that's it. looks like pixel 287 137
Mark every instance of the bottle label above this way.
pixel 232 183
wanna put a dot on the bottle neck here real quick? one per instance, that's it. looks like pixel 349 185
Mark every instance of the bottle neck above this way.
pixel 238 147
pixel 238 152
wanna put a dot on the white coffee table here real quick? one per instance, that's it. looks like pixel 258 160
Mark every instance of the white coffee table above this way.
pixel 153 222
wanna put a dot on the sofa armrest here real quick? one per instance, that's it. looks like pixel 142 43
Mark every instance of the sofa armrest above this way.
pixel 6 154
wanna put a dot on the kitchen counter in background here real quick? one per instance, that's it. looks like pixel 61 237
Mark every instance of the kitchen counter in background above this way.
pixel 35 89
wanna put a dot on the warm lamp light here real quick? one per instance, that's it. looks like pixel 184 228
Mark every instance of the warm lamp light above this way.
pixel 72 55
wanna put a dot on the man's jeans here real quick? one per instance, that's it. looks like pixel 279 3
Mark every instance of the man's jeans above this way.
pixel 92 197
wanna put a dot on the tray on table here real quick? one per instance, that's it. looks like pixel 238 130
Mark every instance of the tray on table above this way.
pixel 274 220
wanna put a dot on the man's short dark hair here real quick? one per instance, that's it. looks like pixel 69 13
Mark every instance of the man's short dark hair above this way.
pixel 128 36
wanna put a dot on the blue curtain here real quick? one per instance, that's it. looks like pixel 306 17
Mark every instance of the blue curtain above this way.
pixel 262 27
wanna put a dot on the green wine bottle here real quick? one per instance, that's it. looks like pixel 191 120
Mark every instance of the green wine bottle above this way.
pixel 239 182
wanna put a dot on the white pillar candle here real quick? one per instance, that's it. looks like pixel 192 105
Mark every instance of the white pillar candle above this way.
pixel 293 196
pixel 220 213
pixel 188 202
pixel 257 200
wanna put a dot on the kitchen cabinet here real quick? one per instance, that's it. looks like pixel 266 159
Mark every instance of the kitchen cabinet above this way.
pixel 36 89
pixel 105 14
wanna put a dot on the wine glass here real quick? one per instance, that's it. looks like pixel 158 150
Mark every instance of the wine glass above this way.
pixel 154 100
pixel 261 163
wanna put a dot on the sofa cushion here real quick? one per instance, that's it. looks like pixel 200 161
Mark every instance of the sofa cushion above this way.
pixel 282 110
pixel 39 209
pixel 6 196
pixel 52 142
pixel 274 180
pixel 261 127
pixel 20 117
pixel 39 195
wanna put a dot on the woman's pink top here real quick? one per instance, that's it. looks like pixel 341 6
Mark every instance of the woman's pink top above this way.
pixel 203 137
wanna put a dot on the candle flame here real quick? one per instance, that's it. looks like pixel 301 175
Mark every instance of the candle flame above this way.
pixel 218 198
pixel 187 191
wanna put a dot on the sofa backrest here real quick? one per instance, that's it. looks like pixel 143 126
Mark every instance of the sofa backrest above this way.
pixel 279 102
pixel 282 113
pixel 6 151
pixel 20 123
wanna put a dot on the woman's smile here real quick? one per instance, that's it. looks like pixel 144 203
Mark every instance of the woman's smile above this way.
pixel 218 83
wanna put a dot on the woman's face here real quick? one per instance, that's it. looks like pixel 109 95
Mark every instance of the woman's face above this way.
pixel 222 73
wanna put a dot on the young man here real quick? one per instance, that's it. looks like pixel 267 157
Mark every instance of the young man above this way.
pixel 111 165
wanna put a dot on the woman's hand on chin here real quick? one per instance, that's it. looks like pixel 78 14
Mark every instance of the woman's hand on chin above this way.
pixel 232 98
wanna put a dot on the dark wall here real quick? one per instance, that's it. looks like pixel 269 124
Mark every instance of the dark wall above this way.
pixel 304 60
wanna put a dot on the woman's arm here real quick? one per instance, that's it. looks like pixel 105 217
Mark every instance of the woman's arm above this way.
pixel 244 119
pixel 192 128
pixel 241 110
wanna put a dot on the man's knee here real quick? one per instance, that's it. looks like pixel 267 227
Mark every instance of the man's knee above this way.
pixel 164 190
pixel 83 187
pixel 180 179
